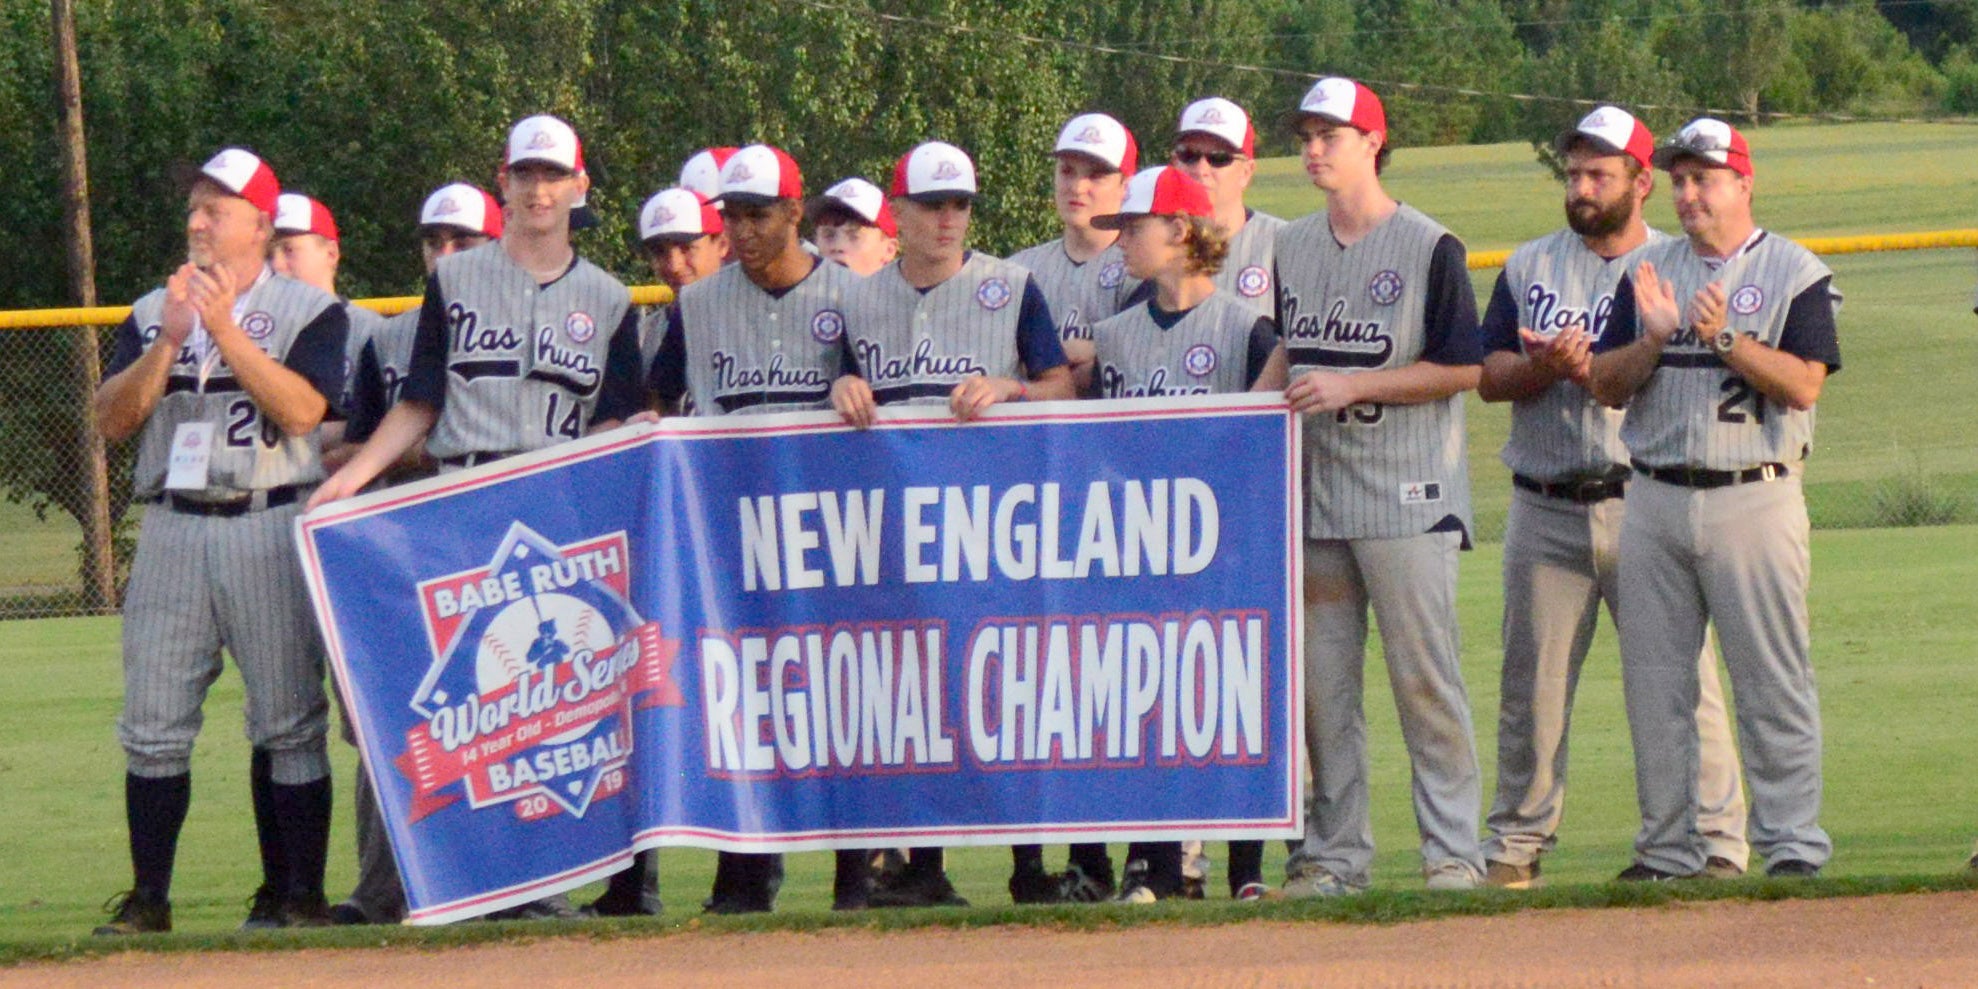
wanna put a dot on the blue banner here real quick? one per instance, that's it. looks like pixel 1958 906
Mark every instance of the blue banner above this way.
pixel 1064 622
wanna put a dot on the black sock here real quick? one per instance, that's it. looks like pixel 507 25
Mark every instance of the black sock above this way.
pixel 1246 864
pixel 261 783
pixel 924 863
pixel 302 819
pixel 1163 860
pixel 852 875
pixel 1026 858
pixel 636 878
pixel 1092 860
pixel 154 808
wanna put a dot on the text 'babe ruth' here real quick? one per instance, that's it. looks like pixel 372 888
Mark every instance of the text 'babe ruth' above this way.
pixel 1719 345
pixel 224 375
pixel 1380 325
pixel 521 343
pixel 1569 472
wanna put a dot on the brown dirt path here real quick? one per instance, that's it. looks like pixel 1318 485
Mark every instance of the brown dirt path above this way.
pixel 1917 940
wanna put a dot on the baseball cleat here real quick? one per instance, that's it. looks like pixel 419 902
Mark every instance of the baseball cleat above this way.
pixel 1252 893
pixel 1642 873
pixel 1505 875
pixel 1452 876
pixel 917 891
pixel 1719 867
pixel 131 913
pixel 264 910
pixel 1076 886
pixel 1792 869
pixel 1034 886
pixel 307 910
pixel 1318 884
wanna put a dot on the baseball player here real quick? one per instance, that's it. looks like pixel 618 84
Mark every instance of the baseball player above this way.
pixel 1083 278
pixel 1188 337
pixel 1718 345
pixel 946 325
pixel 1081 273
pixel 1569 470
pixel 521 344
pixel 1380 324
pixel 224 374
pixel 306 248
pixel 1216 145
pixel 766 334
pixel 453 218
pixel 684 242
pixel 853 225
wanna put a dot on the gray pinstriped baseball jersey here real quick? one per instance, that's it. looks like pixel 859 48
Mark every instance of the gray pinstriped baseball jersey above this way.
pixel 1080 294
pixel 1373 471
pixel 652 329
pixel 1696 412
pixel 914 348
pixel 391 347
pixel 364 324
pixel 1246 273
pixel 1558 283
pixel 1206 353
pixel 525 362
pixel 250 452
pixel 751 351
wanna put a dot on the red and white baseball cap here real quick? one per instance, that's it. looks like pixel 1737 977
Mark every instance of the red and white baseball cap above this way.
pixel 862 200
pixel 760 173
pixel 1711 140
pixel 702 172
pixel 467 207
pixel 933 172
pixel 1614 131
pixel 547 139
pixel 243 173
pixel 1159 191
pixel 1102 139
pixel 678 215
pixel 1343 101
pixel 1222 120
pixel 296 213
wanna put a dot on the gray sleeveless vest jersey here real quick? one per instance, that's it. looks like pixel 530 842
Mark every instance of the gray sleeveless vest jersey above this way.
pixel 364 325
pixel 1557 282
pixel 1205 353
pixel 250 452
pixel 1695 411
pixel 750 351
pixel 1080 295
pixel 525 362
pixel 1246 273
pixel 1372 471
pixel 914 348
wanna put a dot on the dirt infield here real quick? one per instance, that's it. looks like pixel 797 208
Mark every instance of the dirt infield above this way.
pixel 1918 940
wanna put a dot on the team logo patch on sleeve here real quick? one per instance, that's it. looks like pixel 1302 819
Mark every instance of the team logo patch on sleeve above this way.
pixel 1385 287
pixel 257 325
pixel 1747 300
pixel 1112 274
pixel 827 326
pixel 1199 361
pixel 993 293
pixel 538 661
pixel 580 327
pixel 1253 281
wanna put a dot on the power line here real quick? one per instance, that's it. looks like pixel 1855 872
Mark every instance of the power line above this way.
pixel 953 27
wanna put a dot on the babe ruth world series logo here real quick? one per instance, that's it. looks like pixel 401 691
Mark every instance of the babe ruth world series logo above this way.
pixel 993 293
pixel 660 216
pixel 538 661
pixel 1199 361
pixel 827 326
pixel 446 207
pixel 1253 281
pixel 580 327
pixel 1747 300
pixel 1090 135
pixel 1385 287
pixel 257 325
pixel 1112 274
pixel 946 172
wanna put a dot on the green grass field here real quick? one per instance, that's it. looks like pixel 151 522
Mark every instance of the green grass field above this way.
pixel 1891 416
pixel 1892 651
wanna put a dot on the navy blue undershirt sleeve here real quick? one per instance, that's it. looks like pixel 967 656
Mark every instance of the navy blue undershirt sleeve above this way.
pixel 1263 342
pixel 668 377
pixel 1499 330
pixel 129 347
pixel 623 384
pixel 1623 324
pixel 1449 332
pixel 367 395
pixel 425 380
pixel 1037 343
pixel 1810 333
pixel 318 355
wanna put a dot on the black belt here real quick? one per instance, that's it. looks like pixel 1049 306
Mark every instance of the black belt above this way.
pixel 1697 477
pixel 1580 491
pixel 475 459
pixel 269 498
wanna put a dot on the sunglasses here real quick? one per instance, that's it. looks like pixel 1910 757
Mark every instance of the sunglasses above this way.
pixel 1216 159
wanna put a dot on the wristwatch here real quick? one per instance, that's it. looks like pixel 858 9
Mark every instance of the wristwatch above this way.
pixel 1722 343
